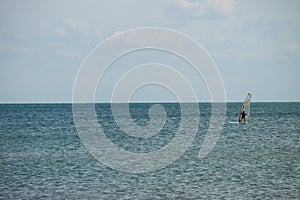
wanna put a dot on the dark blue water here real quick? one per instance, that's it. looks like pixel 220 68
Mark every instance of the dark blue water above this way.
pixel 42 155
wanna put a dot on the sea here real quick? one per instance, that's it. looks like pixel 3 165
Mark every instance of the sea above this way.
pixel 42 155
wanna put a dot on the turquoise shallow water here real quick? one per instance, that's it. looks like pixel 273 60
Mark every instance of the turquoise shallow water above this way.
pixel 42 156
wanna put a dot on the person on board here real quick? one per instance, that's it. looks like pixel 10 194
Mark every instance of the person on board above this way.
pixel 243 116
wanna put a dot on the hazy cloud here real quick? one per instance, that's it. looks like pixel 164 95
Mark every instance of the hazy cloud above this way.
pixel 20 36
pixel 191 5
pixel 70 26
pixel 16 50
pixel 75 25
pixel 223 6
pixel 204 8
pixel 69 53
pixel 61 31
pixel 293 47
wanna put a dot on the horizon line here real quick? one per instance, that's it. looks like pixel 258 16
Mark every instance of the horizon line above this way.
pixel 122 102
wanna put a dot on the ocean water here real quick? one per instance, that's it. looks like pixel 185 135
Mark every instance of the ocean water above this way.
pixel 42 156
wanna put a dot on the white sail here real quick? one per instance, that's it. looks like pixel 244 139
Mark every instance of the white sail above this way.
pixel 246 105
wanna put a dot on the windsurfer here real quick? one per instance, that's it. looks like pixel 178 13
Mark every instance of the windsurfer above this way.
pixel 243 116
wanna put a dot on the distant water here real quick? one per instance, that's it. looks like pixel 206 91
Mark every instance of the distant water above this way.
pixel 42 156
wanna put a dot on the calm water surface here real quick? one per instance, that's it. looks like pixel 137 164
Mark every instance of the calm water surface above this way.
pixel 42 156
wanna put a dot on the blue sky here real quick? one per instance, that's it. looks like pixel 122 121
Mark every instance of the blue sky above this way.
pixel 255 44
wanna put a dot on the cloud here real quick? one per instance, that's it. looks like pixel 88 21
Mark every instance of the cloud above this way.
pixel 16 50
pixel 223 6
pixel 22 50
pixel 69 26
pixel 69 53
pixel 75 25
pixel 205 8
pixel 62 31
pixel 189 7
pixel 293 47
pixel 20 36
pixel 185 4
pixel 99 33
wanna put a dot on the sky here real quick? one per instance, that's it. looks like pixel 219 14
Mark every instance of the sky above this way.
pixel 254 44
